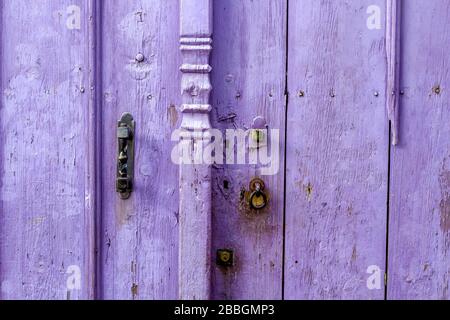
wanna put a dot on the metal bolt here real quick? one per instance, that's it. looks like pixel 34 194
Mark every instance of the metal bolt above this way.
pixel 437 90
pixel 140 57
pixel 225 257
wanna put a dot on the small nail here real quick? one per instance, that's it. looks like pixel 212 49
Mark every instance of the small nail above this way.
pixel 437 90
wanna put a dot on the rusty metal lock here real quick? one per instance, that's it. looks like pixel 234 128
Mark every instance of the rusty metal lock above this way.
pixel 258 199
pixel 225 258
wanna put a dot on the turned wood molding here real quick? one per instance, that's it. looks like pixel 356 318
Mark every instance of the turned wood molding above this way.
pixel 195 179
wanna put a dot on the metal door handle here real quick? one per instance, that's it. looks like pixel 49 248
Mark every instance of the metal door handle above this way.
pixel 125 156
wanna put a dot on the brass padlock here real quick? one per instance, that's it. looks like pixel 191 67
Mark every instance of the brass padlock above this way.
pixel 258 199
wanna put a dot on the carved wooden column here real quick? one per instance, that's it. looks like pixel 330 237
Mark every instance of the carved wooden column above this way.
pixel 195 176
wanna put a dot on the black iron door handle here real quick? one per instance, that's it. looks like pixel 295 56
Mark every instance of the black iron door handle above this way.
pixel 125 156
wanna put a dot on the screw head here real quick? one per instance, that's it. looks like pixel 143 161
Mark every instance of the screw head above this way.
pixel 140 57
pixel 376 93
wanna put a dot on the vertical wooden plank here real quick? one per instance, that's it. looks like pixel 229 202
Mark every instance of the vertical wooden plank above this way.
pixel 47 211
pixel 140 235
pixel 419 232
pixel 249 64
pixel 195 176
pixel 337 154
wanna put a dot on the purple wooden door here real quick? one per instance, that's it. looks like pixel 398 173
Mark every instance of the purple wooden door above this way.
pixel 334 189
pixel 337 150
pixel 69 71
pixel 47 223
pixel 248 78
pixel 139 236
pixel 419 238
pixel 330 85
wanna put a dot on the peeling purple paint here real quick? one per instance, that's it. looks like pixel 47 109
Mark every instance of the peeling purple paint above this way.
pixel 331 75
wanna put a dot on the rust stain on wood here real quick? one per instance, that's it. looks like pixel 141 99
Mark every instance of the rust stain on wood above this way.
pixel 309 191
pixel 134 290
pixel 172 115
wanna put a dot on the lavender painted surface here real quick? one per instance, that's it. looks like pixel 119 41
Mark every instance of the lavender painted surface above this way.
pixel 419 232
pixel 337 151
pixel 248 82
pixel 67 76
pixel 47 194
pixel 140 235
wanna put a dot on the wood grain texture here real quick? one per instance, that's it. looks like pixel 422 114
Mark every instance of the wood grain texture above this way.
pixel 67 79
pixel 337 151
pixel 419 232
pixel 47 211
pixel 249 61
pixel 140 235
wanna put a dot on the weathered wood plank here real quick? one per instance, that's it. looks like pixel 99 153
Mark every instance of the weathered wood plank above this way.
pixel 249 63
pixel 47 220
pixel 140 235
pixel 419 232
pixel 337 150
